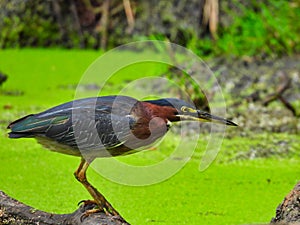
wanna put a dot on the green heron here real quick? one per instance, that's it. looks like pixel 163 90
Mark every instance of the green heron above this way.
pixel 105 126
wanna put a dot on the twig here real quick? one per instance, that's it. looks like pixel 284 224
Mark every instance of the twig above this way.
pixel 104 24
pixel 77 23
pixel 285 84
pixel 129 15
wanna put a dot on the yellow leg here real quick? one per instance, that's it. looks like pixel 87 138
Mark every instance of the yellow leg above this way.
pixel 100 200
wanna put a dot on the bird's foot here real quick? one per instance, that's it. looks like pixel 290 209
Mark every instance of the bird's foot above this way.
pixel 89 212
pixel 88 202
pixel 92 207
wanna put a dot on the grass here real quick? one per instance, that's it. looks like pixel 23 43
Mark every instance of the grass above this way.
pixel 228 192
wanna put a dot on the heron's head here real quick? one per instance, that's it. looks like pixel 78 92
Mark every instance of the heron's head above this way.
pixel 184 111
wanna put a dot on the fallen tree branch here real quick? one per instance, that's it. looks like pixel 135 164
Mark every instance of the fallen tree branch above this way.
pixel 285 84
pixel 288 212
pixel 15 212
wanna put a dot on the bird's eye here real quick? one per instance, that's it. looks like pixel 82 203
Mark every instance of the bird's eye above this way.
pixel 184 109
pixel 188 109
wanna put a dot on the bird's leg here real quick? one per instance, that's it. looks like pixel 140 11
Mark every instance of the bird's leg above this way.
pixel 100 200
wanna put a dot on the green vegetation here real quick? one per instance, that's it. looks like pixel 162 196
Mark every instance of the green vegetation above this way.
pixel 255 28
pixel 235 189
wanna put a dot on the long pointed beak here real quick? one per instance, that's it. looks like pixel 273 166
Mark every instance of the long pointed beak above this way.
pixel 207 117
pixel 199 115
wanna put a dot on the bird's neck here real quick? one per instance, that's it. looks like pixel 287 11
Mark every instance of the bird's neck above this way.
pixel 167 113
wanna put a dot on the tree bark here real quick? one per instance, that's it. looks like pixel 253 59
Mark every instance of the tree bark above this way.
pixel 15 212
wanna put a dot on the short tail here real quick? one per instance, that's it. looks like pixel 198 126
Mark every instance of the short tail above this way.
pixel 12 124
pixel 16 131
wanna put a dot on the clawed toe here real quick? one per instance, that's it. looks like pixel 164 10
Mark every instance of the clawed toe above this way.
pixel 88 213
pixel 87 202
pixel 91 207
pixel 100 207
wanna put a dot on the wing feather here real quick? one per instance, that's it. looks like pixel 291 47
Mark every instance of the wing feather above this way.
pixel 85 124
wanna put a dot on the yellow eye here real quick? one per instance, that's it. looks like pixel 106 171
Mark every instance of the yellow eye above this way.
pixel 188 109
pixel 184 109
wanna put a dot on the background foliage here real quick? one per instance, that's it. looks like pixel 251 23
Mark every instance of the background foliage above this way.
pixel 245 27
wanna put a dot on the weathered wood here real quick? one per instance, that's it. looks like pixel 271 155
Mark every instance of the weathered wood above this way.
pixel 288 212
pixel 15 212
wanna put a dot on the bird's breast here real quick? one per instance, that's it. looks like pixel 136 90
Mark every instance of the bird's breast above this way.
pixel 57 147
pixel 146 131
